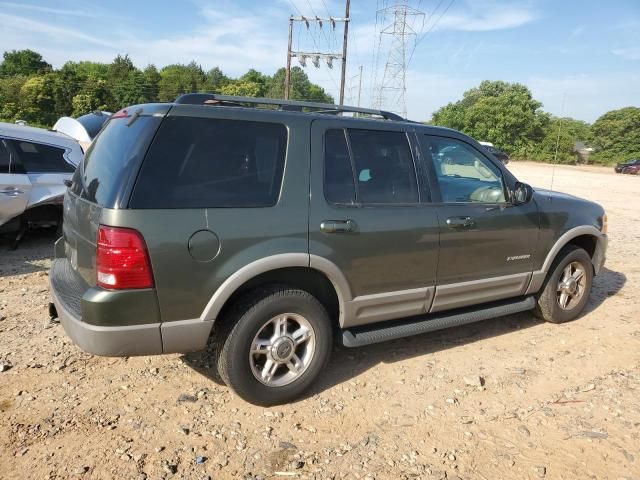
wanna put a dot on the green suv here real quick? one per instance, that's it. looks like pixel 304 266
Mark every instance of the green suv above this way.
pixel 267 227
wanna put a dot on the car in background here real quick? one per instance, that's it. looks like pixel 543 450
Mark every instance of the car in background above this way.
pixel 621 167
pixel 83 129
pixel 632 169
pixel 34 164
pixel 499 154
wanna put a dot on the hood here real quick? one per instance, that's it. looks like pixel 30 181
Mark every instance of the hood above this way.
pixel 551 194
pixel 82 129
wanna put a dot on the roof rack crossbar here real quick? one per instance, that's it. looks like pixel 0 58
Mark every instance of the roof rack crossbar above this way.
pixel 294 105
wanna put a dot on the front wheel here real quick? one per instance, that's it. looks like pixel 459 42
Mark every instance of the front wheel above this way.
pixel 567 288
pixel 276 343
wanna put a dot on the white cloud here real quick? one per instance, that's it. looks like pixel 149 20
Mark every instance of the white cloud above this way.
pixel 55 11
pixel 482 16
pixel 631 53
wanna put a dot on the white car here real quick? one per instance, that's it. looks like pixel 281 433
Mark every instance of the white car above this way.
pixel 34 164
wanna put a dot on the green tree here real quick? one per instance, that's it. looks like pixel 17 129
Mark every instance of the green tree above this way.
pixel 151 83
pixel 23 62
pixel 561 136
pixel 10 97
pixel 617 135
pixel 94 95
pixel 178 79
pixel 216 79
pixel 241 89
pixel 301 87
pixel 505 114
pixel 37 99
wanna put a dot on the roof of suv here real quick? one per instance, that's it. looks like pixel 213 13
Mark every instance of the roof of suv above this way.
pixel 313 109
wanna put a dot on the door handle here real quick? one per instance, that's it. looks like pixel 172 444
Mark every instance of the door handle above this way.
pixel 12 191
pixel 460 223
pixel 338 226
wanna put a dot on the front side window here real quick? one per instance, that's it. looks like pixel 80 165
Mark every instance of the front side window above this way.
pixel 369 167
pixel 40 158
pixel 464 174
pixel 209 163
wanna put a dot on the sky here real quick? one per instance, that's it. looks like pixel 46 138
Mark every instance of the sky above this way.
pixel 579 58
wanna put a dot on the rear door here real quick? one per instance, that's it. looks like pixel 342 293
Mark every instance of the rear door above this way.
pixel 371 216
pixel 15 186
pixel 47 167
pixel 487 245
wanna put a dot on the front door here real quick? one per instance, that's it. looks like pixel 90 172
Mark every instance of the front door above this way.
pixel 15 186
pixel 487 245
pixel 371 217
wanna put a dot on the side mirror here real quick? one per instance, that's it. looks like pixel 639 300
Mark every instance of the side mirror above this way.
pixel 523 193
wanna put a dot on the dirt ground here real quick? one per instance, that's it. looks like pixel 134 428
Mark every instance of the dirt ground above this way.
pixel 556 401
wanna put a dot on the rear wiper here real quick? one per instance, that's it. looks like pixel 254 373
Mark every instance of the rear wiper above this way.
pixel 134 117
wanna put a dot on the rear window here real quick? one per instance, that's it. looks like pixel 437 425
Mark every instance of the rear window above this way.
pixel 208 163
pixel 112 159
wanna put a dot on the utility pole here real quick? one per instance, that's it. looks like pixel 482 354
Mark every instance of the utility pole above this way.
pixel 344 51
pixel 287 76
pixel 360 86
pixel 396 22
pixel 318 55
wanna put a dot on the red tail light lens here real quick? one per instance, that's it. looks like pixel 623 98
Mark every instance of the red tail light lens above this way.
pixel 122 260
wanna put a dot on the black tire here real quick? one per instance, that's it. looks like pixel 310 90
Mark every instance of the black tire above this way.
pixel 548 307
pixel 241 325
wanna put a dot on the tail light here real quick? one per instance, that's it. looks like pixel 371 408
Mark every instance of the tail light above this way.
pixel 122 259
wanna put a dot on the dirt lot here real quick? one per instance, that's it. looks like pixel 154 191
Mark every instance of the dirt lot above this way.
pixel 557 401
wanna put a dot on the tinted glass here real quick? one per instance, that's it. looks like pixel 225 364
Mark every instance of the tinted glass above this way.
pixel 5 157
pixel 39 158
pixel 200 163
pixel 338 175
pixel 92 122
pixel 113 157
pixel 384 167
pixel 463 173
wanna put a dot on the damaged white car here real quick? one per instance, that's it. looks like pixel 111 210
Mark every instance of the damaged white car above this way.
pixel 34 164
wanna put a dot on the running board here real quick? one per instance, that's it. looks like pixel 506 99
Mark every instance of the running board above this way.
pixel 377 333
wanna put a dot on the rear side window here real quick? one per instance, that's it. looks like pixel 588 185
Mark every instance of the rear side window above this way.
pixel 209 163
pixel 39 158
pixel 113 158
pixel 379 165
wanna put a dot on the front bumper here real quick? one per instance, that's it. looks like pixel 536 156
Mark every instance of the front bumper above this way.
pixel 600 255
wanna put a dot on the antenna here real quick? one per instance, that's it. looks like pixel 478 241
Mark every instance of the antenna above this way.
pixel 555 158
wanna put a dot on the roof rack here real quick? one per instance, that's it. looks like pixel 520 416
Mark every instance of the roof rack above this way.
pixel 288 105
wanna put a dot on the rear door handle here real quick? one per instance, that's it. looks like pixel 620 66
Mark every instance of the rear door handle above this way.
pixel 338 226
pixel 12 191
pixel 460 223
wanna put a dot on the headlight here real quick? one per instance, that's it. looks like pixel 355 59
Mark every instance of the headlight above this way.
pixel 605 224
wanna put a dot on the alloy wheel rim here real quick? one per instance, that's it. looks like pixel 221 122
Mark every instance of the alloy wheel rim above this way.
pixel 571 285
pixel 282 349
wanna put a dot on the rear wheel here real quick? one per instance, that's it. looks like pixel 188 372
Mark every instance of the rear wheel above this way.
pixel 567 287
pixel 273 345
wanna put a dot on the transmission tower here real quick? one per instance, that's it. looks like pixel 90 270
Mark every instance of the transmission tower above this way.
pixel 397 20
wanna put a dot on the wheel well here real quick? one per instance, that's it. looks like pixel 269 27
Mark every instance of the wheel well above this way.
pixel 586 242
pixel 304 278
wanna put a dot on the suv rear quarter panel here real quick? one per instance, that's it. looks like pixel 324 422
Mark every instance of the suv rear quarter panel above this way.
pixel 185 285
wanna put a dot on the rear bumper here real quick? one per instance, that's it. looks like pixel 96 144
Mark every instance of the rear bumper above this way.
pixel 116 341
pixel 73 301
